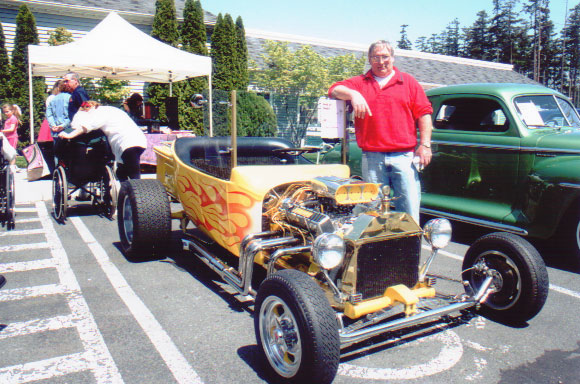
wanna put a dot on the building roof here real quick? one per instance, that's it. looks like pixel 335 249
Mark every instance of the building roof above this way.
pixel 133 10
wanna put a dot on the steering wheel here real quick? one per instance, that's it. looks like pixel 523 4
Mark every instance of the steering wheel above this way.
pixel 294 151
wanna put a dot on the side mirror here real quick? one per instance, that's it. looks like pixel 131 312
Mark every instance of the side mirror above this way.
pixel 197 101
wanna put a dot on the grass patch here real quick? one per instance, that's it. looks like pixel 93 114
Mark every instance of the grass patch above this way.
pixel 21 162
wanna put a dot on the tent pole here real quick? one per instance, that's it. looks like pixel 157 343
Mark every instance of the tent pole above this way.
pixel 30 98
pixel 170 88
pixel 210 108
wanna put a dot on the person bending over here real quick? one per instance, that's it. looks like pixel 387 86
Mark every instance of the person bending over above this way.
pixel 126 139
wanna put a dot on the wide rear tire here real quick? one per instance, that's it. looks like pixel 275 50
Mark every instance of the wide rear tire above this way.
pixel 296 329
pixel 520 276
pixel 144 218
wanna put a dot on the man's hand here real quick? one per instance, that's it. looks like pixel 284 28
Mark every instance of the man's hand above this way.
pixel 359 105
pixel 57 128
pixel 63 135
pixel 424 154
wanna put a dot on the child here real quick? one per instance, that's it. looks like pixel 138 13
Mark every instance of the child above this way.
pixel 10 130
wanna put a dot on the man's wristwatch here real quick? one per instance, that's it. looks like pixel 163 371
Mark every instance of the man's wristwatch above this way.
pixel 426 145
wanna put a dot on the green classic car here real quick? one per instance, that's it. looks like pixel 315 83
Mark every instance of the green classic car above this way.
pixel 505 156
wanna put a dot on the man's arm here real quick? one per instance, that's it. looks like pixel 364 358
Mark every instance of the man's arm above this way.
pixel 424 148
pixel 359 104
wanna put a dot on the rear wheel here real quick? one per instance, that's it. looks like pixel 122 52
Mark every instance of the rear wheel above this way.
pixel 109 192
pixel 143 218
pixel 520 279
pixel 296 328
pixel 59 194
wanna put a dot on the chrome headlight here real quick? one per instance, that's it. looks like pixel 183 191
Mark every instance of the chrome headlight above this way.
pixel 437 233
pixel 328 250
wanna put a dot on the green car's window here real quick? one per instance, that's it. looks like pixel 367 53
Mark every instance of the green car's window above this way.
pixel 538 111
pixel 471 114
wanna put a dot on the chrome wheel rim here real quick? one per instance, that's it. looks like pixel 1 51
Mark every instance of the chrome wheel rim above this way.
pixel 280 336
pixel 506 283
pixel 128 220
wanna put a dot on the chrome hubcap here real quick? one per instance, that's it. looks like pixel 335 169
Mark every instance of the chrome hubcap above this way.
pixel 280 336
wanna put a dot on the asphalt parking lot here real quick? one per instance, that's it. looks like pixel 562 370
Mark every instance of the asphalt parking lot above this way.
pixel 75 310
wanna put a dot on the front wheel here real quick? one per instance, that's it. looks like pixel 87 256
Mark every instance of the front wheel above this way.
pixel 520 279
pixel 143 217
pixel 296 329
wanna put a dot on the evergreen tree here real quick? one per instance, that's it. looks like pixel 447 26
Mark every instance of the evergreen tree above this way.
pixel 571 42
pixel 451 39
pixel 193 39
pixel 223 48
pixel 26 34
pixel 404 42
pixel 504 31
pixel 164 26
pixel 421 44
pixel 477 39
pixel 542 29
pixel 242 55
pixel 4 68
pixel 165 30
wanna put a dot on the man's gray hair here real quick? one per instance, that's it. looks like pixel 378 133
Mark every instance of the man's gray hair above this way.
pixel 381 42
pixel 74 75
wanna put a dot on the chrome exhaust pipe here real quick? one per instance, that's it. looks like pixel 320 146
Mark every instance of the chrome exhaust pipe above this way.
pixel 241 279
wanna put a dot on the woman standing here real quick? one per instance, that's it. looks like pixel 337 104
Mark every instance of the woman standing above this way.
pixel 10 130
pixel 126 139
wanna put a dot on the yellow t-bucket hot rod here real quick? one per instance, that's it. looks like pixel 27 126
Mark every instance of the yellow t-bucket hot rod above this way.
pixel 340 266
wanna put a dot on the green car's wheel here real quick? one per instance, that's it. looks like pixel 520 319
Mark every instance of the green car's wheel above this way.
pixel 520 279
pixel 144 218
pixel 296 328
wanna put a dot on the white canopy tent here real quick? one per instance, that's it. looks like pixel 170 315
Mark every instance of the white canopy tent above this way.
pixel 115 49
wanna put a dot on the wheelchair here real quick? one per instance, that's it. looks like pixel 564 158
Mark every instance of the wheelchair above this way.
pixel 6 192
pixel 84 164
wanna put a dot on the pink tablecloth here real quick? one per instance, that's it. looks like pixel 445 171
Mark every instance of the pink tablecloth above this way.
pixel 153 140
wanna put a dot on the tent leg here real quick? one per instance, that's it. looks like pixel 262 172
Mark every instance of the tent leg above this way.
pixel 30 104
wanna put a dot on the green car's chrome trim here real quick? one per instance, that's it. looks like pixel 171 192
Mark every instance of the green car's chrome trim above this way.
pixel 507 147
pixel 481 223
pixel 569 185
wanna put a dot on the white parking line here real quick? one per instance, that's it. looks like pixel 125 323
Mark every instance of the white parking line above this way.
pixel 95 355
pixel 556 288
pixel 173 358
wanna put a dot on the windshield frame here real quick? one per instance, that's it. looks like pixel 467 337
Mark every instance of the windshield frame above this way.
pixel 532 114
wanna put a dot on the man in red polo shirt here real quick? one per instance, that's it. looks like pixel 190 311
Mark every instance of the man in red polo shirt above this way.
pixel 388 106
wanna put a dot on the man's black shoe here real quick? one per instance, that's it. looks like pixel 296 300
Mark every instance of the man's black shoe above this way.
pixel 2 281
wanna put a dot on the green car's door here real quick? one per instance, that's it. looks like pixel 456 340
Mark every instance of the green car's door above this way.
pixel 474 172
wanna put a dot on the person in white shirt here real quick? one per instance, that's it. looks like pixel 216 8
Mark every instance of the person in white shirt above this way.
pixel 126 139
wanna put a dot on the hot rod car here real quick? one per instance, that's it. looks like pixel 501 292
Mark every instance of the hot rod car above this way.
pixel 339 265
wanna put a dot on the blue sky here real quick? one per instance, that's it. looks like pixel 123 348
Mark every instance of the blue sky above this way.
pixel 362 21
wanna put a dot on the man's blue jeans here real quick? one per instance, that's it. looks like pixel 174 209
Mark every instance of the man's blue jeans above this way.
pixel 396 170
